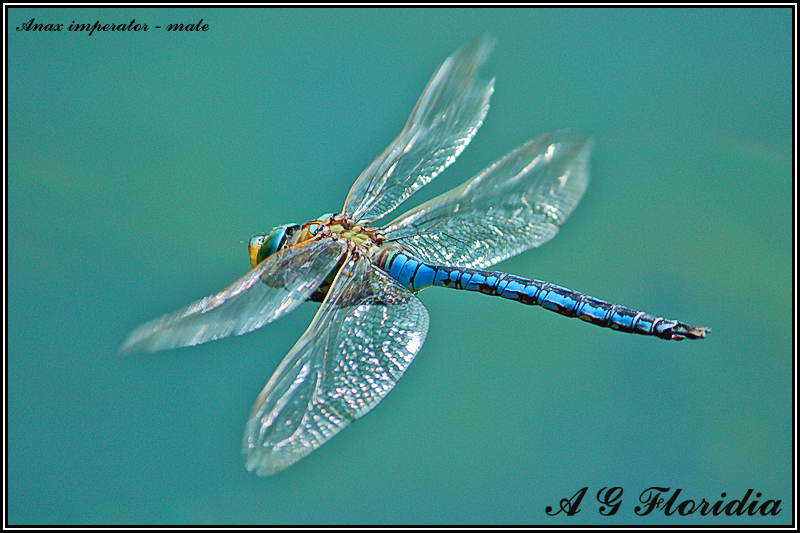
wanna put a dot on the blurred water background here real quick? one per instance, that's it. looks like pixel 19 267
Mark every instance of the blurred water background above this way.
pixel 139 163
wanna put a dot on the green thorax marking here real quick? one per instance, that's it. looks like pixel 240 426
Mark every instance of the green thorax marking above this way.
pixel 341 227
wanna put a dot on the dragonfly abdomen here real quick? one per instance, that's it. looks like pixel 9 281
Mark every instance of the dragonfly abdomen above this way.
pixel 417 275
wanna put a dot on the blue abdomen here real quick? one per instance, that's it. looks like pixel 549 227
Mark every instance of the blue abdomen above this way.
pixel 417 275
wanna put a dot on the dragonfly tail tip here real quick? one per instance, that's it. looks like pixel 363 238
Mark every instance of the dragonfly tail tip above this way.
pixel 684 331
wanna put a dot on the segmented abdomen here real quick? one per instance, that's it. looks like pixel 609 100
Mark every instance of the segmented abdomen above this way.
pixel 416 275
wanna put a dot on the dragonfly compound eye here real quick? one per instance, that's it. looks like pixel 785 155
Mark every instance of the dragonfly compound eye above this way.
pixel 263 246
pixel 254 246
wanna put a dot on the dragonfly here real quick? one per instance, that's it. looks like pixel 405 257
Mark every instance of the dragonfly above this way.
pixel 371 324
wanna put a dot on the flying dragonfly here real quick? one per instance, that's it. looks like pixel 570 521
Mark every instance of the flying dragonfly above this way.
pixel 371 324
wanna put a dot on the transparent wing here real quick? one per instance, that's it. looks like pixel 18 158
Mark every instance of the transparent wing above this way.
pixel 274 287
pixel 359 344
pixel 446 117
pixel 518 202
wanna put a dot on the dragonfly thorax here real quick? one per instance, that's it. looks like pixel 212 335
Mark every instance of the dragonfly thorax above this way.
pixel 337 226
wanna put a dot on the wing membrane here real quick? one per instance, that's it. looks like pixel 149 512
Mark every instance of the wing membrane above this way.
pixel 447 115
pixel 518 202
pixel 274 287
pixel 359 344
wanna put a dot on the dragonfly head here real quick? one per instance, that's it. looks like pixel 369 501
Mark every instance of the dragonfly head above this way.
pixel 266 244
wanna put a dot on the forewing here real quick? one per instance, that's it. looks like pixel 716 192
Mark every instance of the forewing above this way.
pixel 359 344
pixel 274 287
pixel 518 202
pixel 448 114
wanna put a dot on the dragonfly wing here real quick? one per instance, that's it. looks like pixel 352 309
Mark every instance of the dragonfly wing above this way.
pixel 448 114
pixel 362 339
pixel 518 202
pixel 274 287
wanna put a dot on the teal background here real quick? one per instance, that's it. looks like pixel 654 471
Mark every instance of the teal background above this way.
pixel 139 164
